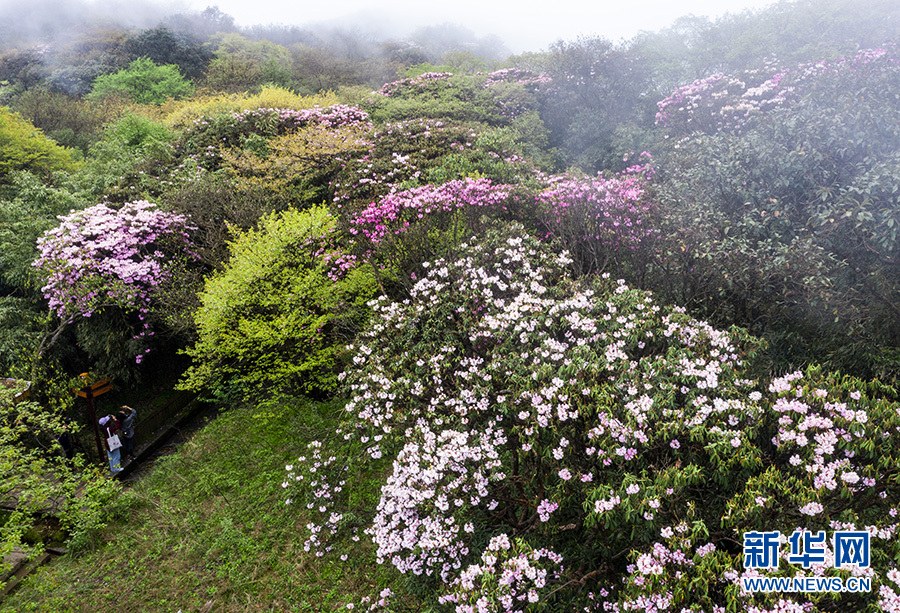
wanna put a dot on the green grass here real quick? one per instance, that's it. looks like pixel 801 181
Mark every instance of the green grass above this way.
pixel 209 530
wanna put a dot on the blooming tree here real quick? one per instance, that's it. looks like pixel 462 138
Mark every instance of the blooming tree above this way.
pixel 782 211
pixel 599 217
pixel 101 257
pixel 558 443
pixel 735 103
pixel 394 213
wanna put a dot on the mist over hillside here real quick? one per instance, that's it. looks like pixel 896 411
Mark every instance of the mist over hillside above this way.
pixel 482 327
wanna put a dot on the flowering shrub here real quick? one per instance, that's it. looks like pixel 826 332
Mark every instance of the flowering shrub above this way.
pixel 598 218
pixel 732 103
pixel 295 167
pixel 715 102
pixel 616 442
pixel 414 85
pixel 514 90
pixel 400 231
pixel 210 134
pixel 494 100
pixel 401 154
pixel 785 218
pixel 100 257
pixel 508 578
pixel 394 213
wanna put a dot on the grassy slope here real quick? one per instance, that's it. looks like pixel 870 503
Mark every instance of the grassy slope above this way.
pixel 209 530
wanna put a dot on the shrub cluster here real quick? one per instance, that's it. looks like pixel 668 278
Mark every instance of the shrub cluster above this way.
pixel 552 439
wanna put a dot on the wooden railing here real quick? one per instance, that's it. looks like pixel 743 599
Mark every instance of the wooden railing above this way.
pixel 149 425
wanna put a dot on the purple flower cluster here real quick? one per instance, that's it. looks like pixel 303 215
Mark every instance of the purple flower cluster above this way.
pixel 596 215
pixel 394 213
pixel 413 84
pixel 508 578
pixel 722 102
pixel 101 256
pixel 437 477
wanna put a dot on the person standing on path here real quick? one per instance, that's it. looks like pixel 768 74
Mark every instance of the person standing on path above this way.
pixel 112 428
pixel 126 417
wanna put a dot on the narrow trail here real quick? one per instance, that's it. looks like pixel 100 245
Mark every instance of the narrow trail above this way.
pixel 166 443
pixel 147 454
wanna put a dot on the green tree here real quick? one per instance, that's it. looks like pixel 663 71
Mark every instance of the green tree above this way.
pixel 241 64
pixel 144 82
pixel 24 147
pixel 277 316
pixel 164 46
pixel 598 93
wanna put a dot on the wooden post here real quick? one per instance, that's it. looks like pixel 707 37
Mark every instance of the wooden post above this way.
pixel 89 392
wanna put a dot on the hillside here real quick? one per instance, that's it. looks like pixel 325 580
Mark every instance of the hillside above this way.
pixel 607 326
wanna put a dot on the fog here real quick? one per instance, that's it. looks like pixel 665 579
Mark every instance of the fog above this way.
pixel 520 29
pixel 30 21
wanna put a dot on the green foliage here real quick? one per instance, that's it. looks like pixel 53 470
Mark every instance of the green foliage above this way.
pixel 320 70
pixel 70 121
pixel 28 207
pixel 787 221
pixel 107 166
pixel 35 476
pixel 276 317
pixel 137 131
pixel 24 147
pixel 144 82
pixel 217 209
pixel 20 331
pixel 209 524
pixel 241 64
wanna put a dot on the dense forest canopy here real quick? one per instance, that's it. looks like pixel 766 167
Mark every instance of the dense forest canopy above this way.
pixel 590 313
